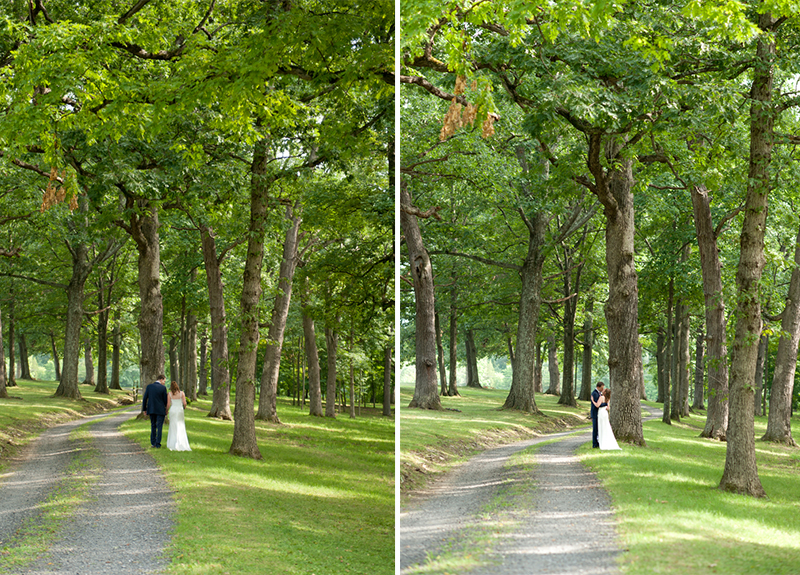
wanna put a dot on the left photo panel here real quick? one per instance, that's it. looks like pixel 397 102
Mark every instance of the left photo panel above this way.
pixel 197 287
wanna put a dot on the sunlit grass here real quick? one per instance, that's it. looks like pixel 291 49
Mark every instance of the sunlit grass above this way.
pixel 320 502
pixel 673 519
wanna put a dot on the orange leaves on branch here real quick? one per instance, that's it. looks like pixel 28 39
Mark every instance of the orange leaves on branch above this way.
pixel 55 192
pixel 458 115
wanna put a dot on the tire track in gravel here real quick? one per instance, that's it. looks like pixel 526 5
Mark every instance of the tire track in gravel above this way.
pixel 490 517
pixel 124 523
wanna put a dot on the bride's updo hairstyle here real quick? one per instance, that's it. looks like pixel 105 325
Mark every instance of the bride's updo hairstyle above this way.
pixel 174 387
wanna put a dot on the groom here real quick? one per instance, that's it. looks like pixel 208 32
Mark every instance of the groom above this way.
pixel 596 401
pixel 154 404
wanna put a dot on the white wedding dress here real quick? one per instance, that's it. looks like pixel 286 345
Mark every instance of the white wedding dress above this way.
pixel 605 435
pixel 176 435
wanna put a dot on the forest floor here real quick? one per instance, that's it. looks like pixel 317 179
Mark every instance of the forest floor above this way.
pixel 82 498
pixel 527 508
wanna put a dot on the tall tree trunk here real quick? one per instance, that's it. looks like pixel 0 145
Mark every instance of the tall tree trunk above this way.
pixel 537 368
pixel 352 374
pixel 552 366
pixel 24 363
pixel 717 353
pixel 440 355
pixel 686 360
pixel 11 380
pixel 3 391
pixel 56 361
pixel 203 372
pixel 473 377
pixel 220 374
pixel 741 472
pixel 779 420
pixel 244 426
pixel 668 379
pixel 588 344
pixel 613 187
pixel 761 367
pixel 88 363
pixel 660 363
pixel 312 359
pixel 268 404
pixel 68 387
pixel 191 356
pixel 174 368
pixel 387 380
pixel 699 371
pixel 521 395
pixel 425 386
pixel 102 340
pixel 115 348
pixel 677 362
pixel 331 346
pixel 452 387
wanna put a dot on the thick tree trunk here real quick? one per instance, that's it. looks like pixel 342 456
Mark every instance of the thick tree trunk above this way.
pixel 779 420
pixel 552 366
pixel 588 343
pixel 102 342
pixel 244 426
pixel 11 380
pixel 115 349
pixel 660 367
pixel 352 375
pixel 174 367
pixel 220 374
pixel 568 384
pixel 685 363
pixel 699 372
pixel 203 371
pixel 717 353
pixel 54 349
pixel 537 369
pixel 268 404
pixel 3 391
pixel 387 381
pixel 191 357
pixel 440 355
pixel 452 384
pixel 25 366
pixel 521 395
pixel 332 347
pixel 425 387
pixel 72 336
pixel 761 367
pixel 741 471
pixel 473 377
pixel 88 363
pixel 312 359
pixel 613 189
pixel 666 416
pixel 677 362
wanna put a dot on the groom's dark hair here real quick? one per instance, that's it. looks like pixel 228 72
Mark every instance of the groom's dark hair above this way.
pixel 600 384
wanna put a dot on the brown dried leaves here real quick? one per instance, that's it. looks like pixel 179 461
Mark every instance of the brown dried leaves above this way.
pixel 459 116
pixel 55 193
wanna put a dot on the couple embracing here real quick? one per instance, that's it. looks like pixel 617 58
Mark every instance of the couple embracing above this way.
pixel 156 403
pixel 602 434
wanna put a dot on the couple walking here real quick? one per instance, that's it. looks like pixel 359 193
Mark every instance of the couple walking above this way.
pixel 156 403
pixel 602 434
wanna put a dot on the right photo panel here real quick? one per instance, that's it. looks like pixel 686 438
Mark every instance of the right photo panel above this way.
pixel 599 287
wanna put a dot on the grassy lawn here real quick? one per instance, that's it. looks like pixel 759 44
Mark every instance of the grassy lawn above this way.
pixel 320 502
pixel 674 520
pixel 432 442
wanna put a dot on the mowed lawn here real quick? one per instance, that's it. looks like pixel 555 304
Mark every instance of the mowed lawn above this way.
pixel 321 501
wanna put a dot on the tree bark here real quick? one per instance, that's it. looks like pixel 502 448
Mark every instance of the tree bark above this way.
pixel 667 412
pixel 660 367
pixel 115 349
pixel 3 391
pixel 761 366
pixel 686 361
pixel 387 381
pixel 779 420
pixel 220 374
pixel 11 380
pixel 473 377
pixel 56 361
pixel 552 366
pixel 312 359
pixel 699 372
pixel 203 371
pixel 88 363
pixel 25 366
pixel 102 340
pixel 440 355
pixel 352 375
pixel 588 343
pixel 537 369
pixel 68 387
pixel 268 404
pixel 191 357
pixel 741 472
pixel 452 387
pixel 174 368
pixel 717 414
pixel 244 429
pixel 425 386
pixel 331 346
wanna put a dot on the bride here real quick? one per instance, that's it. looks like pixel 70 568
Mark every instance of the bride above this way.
pixel 605 435
pixel 176 435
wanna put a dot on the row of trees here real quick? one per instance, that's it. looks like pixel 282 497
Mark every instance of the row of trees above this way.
pixel 580 151
pixel 162 162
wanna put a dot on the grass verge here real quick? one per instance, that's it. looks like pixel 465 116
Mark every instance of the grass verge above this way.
pixel 321 502
pixel 674 520
pixel 431 442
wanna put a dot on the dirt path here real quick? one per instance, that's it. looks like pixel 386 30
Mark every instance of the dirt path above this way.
pixel 510 512
pixel 122 520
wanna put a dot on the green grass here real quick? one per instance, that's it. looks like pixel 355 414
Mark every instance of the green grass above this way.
pixel 31 408
pixel 673 519
pixel 320 502
pixel 431 442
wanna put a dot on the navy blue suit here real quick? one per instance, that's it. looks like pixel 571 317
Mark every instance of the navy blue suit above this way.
pixel 595 397
pixel 154 403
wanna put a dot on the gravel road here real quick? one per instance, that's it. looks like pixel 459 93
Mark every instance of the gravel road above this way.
pixel 493 517
pixel 124 519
